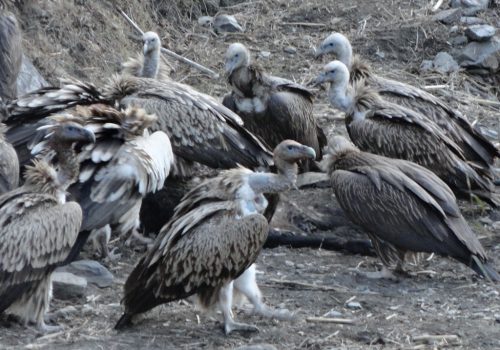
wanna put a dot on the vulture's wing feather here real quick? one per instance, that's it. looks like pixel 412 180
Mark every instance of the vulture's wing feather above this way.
pixel 389 204
pixel 36 234
pixel 197 262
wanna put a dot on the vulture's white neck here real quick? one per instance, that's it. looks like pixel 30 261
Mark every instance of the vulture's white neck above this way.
pixel 151 64
pixel 340 95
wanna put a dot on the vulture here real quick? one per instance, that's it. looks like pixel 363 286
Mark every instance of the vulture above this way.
pixel 124 164
pixel 476 149
pixel 273 108
pixel 214 236
pixel 149 64
pixel 221 23
pixel 38 227
pixel 382 127
pixel 11 54
pixel 404 207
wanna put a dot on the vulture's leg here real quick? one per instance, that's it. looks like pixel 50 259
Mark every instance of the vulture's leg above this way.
pixel 100 239
pixel 246 284
pixel 225 303
pixel 135 236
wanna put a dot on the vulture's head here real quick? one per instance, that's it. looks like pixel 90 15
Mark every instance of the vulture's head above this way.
pixel 338 145
pixel 335 73
pixel 151 42
pixel 292 152
pixel 337 45
pixel 70 132
pixel 237 56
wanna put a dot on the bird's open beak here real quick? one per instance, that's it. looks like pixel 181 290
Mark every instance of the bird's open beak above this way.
pixel 318 53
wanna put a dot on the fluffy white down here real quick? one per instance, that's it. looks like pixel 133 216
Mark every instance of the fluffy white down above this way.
pixel 250 201
pixel 158 147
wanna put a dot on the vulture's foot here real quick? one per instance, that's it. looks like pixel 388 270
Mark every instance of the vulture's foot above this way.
pixel 44 328
pixel 111 255
pixel 135 236
pixel 232 326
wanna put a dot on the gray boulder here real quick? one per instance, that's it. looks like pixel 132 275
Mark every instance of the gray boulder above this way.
pixel 483 55
pixel 67 286
pixel 29 79
pixel 93 272
pixel 480 32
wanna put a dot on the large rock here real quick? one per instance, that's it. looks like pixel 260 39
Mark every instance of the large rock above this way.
pixel 480 32
pixel 484 55
pixel 93 272
pixel 67 286
pixel 29 78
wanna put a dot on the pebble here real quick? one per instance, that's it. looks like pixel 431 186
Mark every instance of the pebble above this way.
pixel 480 32
pixel 66 285
pixel 226 23
pixel 92 271
pixel 354 305
pixel 264 54
pixel 290 50
pixel 426 66
pixel 497 318
pixel 444 63
pixel 257 347
pixel 300 266
pixel 289 263
pixel 448 16
pixel 333 313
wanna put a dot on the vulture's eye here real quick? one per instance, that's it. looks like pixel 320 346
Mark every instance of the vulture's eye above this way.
pixel 289 148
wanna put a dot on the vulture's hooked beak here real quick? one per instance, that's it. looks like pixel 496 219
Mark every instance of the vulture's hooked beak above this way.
pixel 309 152
pixel 228 67
pixel 79 134
pixel 320 79
pixel 318 53
pixel 145 48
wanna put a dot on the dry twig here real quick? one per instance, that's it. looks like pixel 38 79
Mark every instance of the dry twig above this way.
pixel 330 320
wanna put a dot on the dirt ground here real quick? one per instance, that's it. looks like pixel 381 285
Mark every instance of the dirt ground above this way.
pixel 88 40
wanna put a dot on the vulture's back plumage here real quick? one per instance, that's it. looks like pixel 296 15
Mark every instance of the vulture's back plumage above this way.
pixel 273 108
pixel 405 205
pixel 475 148
pixel 11 54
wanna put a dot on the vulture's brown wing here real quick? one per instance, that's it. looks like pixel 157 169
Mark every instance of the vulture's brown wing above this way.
pixel 200 129
pixel 196 255
pixel 474 145
pixel 36 234
pixel 390 205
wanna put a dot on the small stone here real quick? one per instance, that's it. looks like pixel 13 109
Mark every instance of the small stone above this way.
pixel 380 54
pixel 481 55
pixel 459 40
pixel 470 20
pixel 290 50
pixel 444 63
pixel 226 23
pixel 205 21
pixel 257 347
pixel 354 305
pixel 300 266
pixel 289 263
pixel 426 66
pixel 497 318
pixel 92 271
pixel 66 312
pixel 448 16
pixel 486 220
pixel 264 54
pixel 333 313
pixel 480 32
pixel 67 286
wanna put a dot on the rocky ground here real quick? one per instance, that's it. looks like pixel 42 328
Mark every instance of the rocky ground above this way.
pixel 440 304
